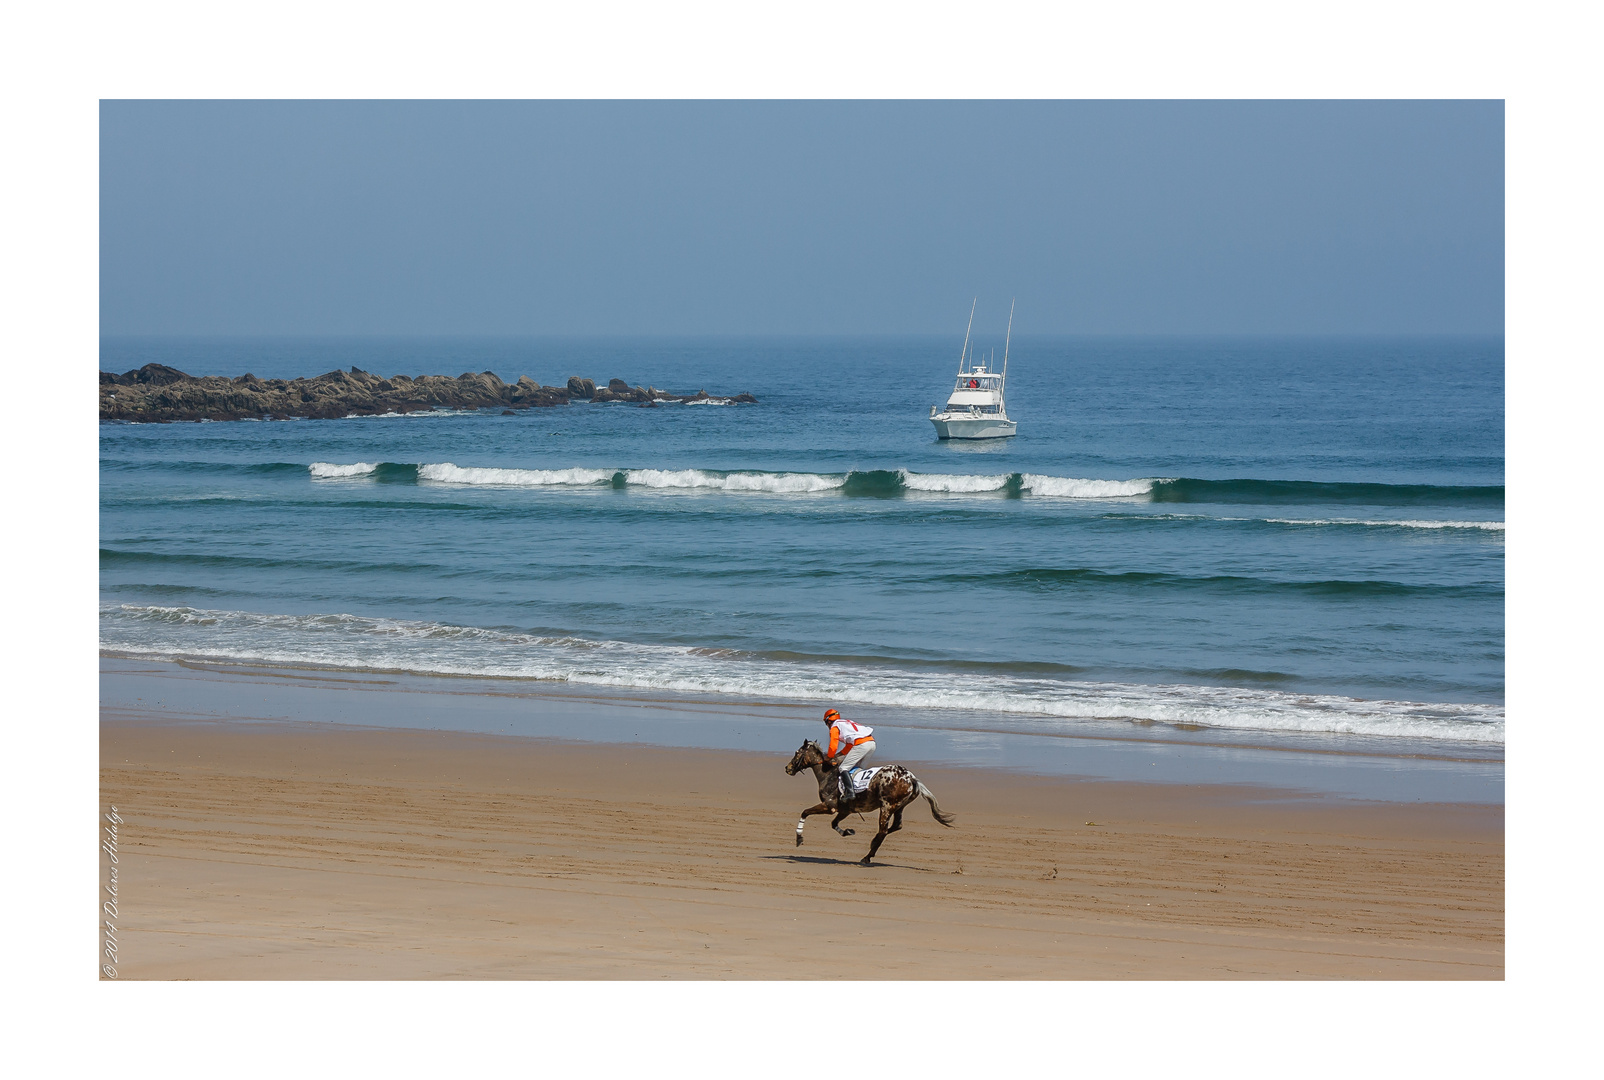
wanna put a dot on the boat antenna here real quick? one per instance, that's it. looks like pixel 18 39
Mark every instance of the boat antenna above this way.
pixel 968 328
pixel 1010 336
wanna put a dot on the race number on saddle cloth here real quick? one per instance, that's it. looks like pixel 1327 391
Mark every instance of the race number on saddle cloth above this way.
pixel 860 778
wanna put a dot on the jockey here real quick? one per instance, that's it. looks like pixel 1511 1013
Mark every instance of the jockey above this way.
pixel 852 744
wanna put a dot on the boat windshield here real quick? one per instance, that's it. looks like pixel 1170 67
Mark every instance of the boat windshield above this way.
pixel 978 382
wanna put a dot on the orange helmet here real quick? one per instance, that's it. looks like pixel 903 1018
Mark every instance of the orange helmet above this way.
pixel 831 714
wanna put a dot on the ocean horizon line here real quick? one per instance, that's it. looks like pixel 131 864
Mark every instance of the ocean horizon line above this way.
pixel 305 337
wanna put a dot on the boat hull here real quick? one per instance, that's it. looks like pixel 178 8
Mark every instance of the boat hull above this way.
pixel 973 428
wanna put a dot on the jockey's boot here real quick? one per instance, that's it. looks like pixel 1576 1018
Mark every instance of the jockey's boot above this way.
pixel 846 786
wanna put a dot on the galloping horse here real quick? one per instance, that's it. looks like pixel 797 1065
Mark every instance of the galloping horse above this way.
pixel 890 791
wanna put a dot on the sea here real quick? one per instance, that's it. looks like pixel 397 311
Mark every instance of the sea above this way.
pixel 1293 542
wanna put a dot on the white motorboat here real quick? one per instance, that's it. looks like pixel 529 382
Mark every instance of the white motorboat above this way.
pixel 977 408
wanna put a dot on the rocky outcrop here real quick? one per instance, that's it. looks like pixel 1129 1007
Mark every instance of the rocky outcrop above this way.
pixel 159 394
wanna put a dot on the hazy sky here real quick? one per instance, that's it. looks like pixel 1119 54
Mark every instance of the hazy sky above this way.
pixel 800 217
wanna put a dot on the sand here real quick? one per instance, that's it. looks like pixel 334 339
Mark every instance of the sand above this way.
pixel 301 851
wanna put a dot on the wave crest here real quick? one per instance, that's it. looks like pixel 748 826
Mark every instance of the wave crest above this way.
pixel 447 473
pixel 781 483
pixel 327 470
pixel 1060 487
pixel 893 483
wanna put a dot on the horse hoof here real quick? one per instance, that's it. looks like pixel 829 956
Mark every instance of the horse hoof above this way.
pixel 864 861
pixel 848 832
pixel 799 841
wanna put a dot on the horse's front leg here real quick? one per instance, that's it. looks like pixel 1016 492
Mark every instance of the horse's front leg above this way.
pixel 819 809
pixel 836 824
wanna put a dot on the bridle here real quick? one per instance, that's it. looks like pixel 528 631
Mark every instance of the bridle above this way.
pixel 797 763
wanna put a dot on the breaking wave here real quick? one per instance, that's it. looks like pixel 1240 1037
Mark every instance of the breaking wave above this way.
pixel 1064 488
pixel 871 483
pixel 448 473
pixel 895 483
pixel 324 470
pixel 1052 704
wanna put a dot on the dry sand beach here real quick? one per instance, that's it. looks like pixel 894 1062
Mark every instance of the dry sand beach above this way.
pixel 310 851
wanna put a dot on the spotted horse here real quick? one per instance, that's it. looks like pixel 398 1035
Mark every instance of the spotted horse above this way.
pixel 890 791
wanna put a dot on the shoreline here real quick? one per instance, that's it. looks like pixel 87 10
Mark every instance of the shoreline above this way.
pixel 1295 767
pixel 308 850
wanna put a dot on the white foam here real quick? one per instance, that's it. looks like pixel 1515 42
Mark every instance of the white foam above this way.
pixel 1490 526
pixel 414 414
pixel 752 481
pixel 960 483
pixel 1062 487
pixel 447 473
pixel 350 641
pixel 784 483
pixel 327 470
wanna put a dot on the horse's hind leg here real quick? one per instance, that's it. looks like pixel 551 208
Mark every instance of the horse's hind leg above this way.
pixel 879 837
pixel 896 815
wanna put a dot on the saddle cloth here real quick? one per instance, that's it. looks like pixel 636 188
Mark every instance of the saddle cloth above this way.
pixel 861 778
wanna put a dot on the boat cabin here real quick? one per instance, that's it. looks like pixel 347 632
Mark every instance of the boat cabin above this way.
pixel 979 379
pixel 977 390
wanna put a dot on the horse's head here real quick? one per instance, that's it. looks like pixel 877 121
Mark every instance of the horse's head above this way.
pixel 806 756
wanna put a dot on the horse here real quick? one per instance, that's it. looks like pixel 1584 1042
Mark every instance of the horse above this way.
pixel 890 791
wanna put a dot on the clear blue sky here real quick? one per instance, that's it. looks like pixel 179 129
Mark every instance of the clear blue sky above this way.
pixel 514 218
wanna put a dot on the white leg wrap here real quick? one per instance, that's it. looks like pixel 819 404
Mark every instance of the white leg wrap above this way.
pixel 799 823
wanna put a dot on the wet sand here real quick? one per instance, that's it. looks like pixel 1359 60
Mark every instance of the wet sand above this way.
pixel 310 851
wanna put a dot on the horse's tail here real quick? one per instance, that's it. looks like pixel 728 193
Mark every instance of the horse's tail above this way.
pixel 935 807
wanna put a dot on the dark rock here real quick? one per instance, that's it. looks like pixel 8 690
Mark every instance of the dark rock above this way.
pixel 508 412
pixel 527 393
pixel 157 375
pixel 745 399
pixel 156 393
